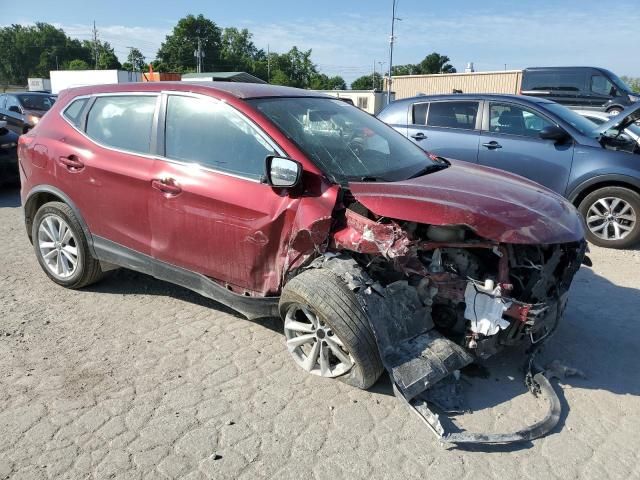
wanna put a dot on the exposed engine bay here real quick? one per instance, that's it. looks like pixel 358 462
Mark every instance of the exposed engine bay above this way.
pixel 440 298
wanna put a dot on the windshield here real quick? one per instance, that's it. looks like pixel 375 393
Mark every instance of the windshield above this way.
pixel 580 123
pixel 36 102
pixel 345 142
pixel 620 85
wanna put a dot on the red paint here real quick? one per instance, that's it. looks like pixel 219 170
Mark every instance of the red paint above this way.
pixel 497 206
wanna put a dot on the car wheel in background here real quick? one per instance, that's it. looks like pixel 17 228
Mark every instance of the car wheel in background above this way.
pixel 327 331
pixel 614 111
pixel 612 217
pixel 61 247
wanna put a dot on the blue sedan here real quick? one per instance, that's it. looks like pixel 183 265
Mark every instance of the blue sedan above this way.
pixel 597 167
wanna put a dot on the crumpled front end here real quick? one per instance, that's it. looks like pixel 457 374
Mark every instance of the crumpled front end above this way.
pixel 440 298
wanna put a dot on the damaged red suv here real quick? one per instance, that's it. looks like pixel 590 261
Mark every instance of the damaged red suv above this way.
pixel 282 202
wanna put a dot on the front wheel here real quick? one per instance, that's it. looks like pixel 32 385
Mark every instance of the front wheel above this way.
pixel 612 217
pixel 327 331
pixel 614 111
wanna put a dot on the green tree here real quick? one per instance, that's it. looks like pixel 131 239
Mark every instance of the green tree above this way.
pixel 135 61
pixel 324 82
pixel 107 58
pixel 367 82
pixel 77 64
pixel 432 63
pixel 177 51
pixel 633 82
pixel 237 50
pixel 34 50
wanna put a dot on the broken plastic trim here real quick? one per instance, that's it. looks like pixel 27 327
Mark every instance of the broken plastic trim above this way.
pixel 541 387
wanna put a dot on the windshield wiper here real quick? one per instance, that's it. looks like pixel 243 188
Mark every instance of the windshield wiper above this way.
pixel 434 167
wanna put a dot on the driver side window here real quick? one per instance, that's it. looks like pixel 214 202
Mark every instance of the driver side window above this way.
pixel 214 135
pixel 602 86
pixel 514 120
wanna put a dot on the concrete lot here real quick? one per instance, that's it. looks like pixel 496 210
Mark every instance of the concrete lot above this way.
pixel 136 378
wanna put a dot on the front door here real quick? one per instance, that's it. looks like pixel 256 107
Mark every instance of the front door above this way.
pixel 510 141
pixel 211 212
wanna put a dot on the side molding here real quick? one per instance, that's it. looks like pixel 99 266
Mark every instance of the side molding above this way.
pixel 250 307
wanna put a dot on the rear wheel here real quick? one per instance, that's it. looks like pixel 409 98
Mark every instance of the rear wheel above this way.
pixel 61 247
pixel 327 331
pixel 612 217
pixel 614 111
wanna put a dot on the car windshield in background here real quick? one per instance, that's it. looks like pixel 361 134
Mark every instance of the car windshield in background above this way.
pixel 345 142
pixel 580 123
pixel 36 102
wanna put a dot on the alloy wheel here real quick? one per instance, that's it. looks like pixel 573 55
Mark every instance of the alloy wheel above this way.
pixel 313 345
pixel 611 218
pixel 58 246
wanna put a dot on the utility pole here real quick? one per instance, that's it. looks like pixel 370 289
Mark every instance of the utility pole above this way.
pixel 373 76
pixel 381 70
pixel 199 54
pixel 268 65
pixel 133 65
pixel 391 40
pixel 95 44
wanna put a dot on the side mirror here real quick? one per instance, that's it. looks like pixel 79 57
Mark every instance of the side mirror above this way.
pixel 554 133
pixel 283 172
pixel 15 109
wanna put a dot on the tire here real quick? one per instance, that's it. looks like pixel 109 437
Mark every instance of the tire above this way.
pixel 606 194
pixel 614 111
pixel 326 296
pixel 87 269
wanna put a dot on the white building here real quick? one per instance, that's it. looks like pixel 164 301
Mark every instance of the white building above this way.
pixel 370 101
pixel 61 79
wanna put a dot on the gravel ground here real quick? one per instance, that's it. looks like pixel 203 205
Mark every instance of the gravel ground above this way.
pixel 136 378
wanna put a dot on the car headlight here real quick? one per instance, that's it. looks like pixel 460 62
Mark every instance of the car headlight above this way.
pixel 33 120
pixel 634 98
pixel 8 145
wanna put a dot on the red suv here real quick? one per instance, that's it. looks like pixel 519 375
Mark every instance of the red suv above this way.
pixel 282 202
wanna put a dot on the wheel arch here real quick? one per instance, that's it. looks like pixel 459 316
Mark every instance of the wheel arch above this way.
pixel 581 191
pixel 42 194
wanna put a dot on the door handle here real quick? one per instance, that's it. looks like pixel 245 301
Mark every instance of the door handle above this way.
pixel 492 145
pixel 419 136
pixel 71 163
pixel 166 185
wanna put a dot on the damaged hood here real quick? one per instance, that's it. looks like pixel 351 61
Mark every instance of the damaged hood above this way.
pixel 498 206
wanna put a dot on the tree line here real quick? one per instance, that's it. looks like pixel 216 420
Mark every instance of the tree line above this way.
pixel 34 50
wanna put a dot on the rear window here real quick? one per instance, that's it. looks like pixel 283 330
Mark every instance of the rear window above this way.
pixel 122 122
pixel 420 113
pixel 453 115
pixel 73 112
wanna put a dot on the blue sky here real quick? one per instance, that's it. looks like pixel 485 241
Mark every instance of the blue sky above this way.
pixel 347 36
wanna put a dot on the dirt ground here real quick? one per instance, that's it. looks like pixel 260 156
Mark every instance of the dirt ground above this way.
pixel 135 378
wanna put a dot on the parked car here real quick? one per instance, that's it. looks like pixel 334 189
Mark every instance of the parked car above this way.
pixel 282 202
pixel 633 131
pixel 8 155
pixel 588 88
pixel 24 110
pixel 542 141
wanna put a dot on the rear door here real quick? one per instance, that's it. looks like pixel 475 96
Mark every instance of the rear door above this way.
pixel 211 211
pixel 510 141
pixel 448 128
pixel 103 162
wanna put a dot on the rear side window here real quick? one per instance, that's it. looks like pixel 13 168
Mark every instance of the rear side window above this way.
pixel 73 112
pixel 453 115
pixel 122 122
pixel 420 113
pixel 554 81
pixel 214 135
